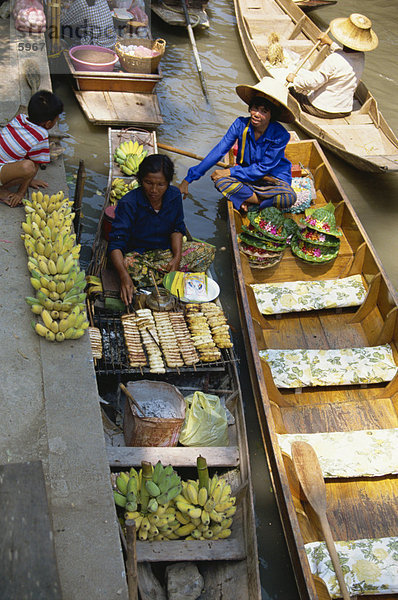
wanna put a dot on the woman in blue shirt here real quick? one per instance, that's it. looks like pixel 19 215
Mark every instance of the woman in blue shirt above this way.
pixel 262 175
pixel 147 233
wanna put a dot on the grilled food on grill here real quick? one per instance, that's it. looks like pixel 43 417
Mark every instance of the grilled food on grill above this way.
pixel 95 341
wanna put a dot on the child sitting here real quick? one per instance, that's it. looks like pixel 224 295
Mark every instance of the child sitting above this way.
pixel 24 144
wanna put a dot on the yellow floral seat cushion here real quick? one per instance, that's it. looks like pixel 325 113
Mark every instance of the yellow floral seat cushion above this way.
pixel 365 453
pixel 370 566
pixel 292 296
pixel 344 366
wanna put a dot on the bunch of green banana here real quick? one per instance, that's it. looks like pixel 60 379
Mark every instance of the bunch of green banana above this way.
pixel 53 261
pixel 120 187
pixel 146 498
pixel 129 156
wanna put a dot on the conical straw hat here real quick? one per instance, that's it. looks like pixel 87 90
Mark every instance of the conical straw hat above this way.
pixel 271 89
pixel 355 32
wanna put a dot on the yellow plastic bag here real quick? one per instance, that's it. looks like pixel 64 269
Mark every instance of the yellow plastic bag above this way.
pixel 205 421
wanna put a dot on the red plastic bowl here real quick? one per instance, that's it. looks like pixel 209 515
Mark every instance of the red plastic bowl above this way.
pixel 91 58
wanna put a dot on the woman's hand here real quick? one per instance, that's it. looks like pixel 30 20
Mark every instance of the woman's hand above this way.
pixel 218 173
pixel 183 187
pixel 173 264
pixel 290 77
pixel 126 289
pixel 325 39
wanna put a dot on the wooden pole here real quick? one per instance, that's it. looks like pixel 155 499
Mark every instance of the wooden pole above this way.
pixel 307 56
pixel 311 479
pixel 195 50
pixel 131 562
pixel 186 153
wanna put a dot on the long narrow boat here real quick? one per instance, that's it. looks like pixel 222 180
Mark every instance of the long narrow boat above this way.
pixel 308 5
pixel 229 566
pixel 172 13
pixel 306 386
pixel 364 139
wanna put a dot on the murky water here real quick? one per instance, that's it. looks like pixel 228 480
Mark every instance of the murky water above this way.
pixel 193 124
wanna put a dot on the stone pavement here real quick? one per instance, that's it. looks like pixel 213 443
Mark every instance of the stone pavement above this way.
pixel 49 411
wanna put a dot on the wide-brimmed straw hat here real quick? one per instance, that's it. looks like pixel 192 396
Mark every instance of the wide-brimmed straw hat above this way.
pixel 355 32
pixel 272 90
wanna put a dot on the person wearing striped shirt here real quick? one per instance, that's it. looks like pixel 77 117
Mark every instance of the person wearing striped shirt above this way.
pixel 24 145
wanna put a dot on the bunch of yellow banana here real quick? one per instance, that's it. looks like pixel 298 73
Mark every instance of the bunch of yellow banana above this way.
pixel 129 155
pixel 53 261
pixel 146 498
pixel 94 285
pixel 120 187
pixel 207 512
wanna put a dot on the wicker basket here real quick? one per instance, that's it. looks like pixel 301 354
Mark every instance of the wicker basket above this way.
pixel 134 64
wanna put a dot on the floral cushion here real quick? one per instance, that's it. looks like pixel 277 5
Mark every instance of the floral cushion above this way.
pixel 290 296
pixel 370 566
pixel 365 453
pixel 345 366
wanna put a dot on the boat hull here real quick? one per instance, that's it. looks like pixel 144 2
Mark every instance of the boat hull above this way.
pixel 310 410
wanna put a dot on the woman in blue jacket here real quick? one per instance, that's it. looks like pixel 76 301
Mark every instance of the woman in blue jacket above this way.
pixel 262 175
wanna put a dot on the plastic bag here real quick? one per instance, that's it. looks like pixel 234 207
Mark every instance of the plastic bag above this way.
pixel 29 16
pixel 205 421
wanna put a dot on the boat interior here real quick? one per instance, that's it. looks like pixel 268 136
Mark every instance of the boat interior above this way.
pixel 368 134
pixel 359 507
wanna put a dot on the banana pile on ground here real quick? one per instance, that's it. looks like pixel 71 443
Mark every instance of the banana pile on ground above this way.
pixel 146 497
pixel 166 510
pixel 129 155
pixel 120 187
pixel 53 261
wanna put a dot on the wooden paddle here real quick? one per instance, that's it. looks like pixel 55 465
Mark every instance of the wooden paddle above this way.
pixel 186 153
pixel 307 56
pixel 311 479
pixel 195 50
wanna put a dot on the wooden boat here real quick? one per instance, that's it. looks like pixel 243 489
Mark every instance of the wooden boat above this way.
pixel 116 97
pixel 364 139
pixel 229 566
pixel 359 506
pixel 307 5
pixel 172 13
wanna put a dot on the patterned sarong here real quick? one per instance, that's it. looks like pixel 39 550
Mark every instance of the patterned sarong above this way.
pixel 196 257
pixel 270 190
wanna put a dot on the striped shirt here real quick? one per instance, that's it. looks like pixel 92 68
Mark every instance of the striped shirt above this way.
pixel 23 139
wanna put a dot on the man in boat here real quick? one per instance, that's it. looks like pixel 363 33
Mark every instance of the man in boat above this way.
pixel 24 145
pixel 262 176
pixel 328 92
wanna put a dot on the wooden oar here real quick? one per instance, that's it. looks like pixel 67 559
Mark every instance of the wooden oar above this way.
pixel 311 479
pixel 194 48
pixel 186 153
pixel 307 56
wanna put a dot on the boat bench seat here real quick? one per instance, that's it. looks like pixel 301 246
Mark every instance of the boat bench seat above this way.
pixel 350 454
pixel 370 566
pixel 333 367
pixel 297 296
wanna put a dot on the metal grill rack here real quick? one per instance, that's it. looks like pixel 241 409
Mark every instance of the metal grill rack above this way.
pixel 114 360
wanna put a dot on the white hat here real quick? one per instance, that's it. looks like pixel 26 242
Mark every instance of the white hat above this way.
pixel 355 32
pixel 272 90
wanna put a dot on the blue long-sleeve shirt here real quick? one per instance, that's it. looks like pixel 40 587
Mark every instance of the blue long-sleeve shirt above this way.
pixel 266 156
pixel 137 226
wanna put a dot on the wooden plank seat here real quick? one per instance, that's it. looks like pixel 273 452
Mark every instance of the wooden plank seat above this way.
pixel 349 454
pixel 370 566
pixel 296 296
pixel 296 368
